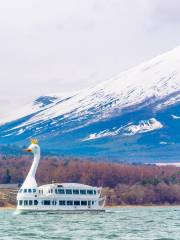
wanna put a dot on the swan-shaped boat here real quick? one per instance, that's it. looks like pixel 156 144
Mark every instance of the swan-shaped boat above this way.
pixel 64 197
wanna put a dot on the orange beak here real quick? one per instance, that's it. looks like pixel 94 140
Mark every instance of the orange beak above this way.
pixel 27 150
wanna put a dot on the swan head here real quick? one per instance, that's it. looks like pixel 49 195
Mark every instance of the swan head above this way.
pixel 33 147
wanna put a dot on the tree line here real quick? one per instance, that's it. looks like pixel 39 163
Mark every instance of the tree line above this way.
pixel 122 183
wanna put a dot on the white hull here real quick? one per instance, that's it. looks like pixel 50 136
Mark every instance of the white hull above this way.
pixel 24 211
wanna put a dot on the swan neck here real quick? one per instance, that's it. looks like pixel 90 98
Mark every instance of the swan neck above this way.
pixel 32 171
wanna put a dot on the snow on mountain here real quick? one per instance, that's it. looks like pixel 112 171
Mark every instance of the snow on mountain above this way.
pixel 112 113
pixel 39 104
pixel 151 81
pixel 175 117
pixel 104 133
pixel 144 126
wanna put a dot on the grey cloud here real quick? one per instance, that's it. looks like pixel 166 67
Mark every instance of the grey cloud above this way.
pixel 164 13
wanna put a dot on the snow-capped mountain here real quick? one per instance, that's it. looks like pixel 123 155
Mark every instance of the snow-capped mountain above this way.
pixel 132 117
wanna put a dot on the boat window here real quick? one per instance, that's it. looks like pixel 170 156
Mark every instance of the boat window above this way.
pixel 94 192
pixel 30 202
pixel 20 190
pixel 76 203
pixel 68 191
pixel 25 190
pixel 83 203
pixel 69 203
pixel 83 191
pixel 54 202
pixel 35 202
pixel 51 190
pixel 92 202
pixel 29 190
pixel 25 202
pixel 62 203
pixel 60 185
pixel 90 192
pixel 34 190
pixel 75 191
pixel 61 191
pixel 89 203
pixel 20 202
pixel 47 202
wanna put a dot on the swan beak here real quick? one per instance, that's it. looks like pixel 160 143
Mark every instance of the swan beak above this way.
pixel 27 150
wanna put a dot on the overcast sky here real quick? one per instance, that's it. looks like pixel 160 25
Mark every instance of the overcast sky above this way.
pixel 65 45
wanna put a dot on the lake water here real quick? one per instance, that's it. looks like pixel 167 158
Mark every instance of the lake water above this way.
pixel 136 223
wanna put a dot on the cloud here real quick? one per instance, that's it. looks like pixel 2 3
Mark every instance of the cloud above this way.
pixel 161 14
pixel 166 11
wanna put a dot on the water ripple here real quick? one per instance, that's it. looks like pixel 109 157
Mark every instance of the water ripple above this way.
pixel 141 223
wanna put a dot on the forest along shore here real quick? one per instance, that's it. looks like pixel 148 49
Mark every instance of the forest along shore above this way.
pixel 123 184
pixel 8 194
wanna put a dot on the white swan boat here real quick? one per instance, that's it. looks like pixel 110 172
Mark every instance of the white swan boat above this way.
pixel 64 197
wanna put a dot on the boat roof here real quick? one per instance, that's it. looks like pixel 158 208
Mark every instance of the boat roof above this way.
pixel 68 185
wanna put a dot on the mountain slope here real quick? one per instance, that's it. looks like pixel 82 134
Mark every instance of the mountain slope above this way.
pixel 132 117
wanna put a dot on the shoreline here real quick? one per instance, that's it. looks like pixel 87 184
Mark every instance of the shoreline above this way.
pixel 114 207
pixel 136 206
pixel 5 208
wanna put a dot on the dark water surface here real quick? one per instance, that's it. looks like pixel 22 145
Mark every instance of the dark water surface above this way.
pixel 136 223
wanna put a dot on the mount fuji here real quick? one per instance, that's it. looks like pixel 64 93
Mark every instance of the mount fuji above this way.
pixel 133 117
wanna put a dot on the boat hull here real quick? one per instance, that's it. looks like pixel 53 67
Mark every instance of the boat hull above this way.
pixel 79 211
